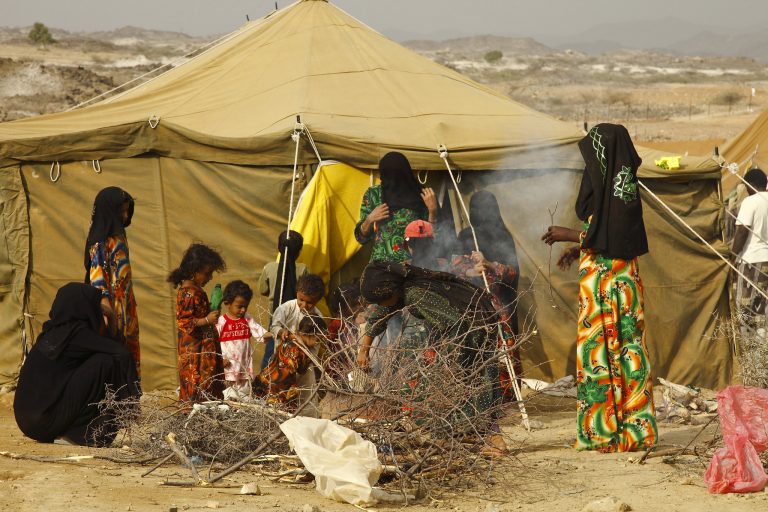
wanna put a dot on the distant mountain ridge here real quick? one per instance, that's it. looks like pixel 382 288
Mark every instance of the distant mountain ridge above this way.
pixel 143 35
pixel 670 35
pixel 483 44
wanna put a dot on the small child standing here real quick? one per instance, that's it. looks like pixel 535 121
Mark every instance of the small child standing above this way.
pixel 199 363
pixel 279 381
pixel 236 327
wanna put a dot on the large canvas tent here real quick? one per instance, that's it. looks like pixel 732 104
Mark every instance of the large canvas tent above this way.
pixel 749 148
pixel 206 149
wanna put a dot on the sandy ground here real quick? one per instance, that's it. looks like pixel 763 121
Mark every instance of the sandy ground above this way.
pixel 544 475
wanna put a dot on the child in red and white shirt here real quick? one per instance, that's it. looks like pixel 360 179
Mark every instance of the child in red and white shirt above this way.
pixel 236 328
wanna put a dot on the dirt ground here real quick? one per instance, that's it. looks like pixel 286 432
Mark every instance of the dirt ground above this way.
pixel 544 474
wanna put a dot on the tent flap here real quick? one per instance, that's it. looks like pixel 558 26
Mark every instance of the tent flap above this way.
pixel 14 262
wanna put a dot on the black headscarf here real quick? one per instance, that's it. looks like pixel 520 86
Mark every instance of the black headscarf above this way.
pixel 399 187
pixel 106 218
pixel 493 237
pixel 381 279
pixel 609 193
pixel 287 267
pixel 76 307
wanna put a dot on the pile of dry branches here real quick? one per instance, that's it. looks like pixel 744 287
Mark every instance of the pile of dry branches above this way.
pixel 429 411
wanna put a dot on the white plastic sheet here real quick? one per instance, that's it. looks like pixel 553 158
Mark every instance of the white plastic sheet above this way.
pixel 345 465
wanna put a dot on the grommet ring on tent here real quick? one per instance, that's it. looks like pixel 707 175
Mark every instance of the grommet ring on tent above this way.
pixel 57 166
pixel 96 166
pixel 418 177
pixel 153 121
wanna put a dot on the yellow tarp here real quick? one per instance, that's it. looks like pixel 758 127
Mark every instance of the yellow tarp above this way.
pixel 326 217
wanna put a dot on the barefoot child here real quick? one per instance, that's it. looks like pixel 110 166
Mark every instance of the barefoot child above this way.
pixel 236 328
pixel 200 364
pixel 279 381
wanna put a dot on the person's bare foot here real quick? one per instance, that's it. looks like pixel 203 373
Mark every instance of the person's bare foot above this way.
pixel 495 447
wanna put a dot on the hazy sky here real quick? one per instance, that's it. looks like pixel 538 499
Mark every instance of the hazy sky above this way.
pixel 396 18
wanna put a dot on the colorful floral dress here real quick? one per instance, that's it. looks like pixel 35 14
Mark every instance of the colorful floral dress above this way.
pixel 111 273
pixel 200 363
pixel 388 236
pixel 278 382
pixel 498 275
pixel 613 374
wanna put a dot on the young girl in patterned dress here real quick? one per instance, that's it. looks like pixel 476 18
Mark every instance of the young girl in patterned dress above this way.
pixel 613 373
pixel 108 266
pixel 200 363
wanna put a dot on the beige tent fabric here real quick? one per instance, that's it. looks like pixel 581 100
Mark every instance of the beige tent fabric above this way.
pixel 14 260
pixel 741 150
pixel 217 168
pixel 237 210
pixel 692 167
pixel 360 93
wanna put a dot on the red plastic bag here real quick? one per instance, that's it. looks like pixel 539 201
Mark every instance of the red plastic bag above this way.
pixel 736 467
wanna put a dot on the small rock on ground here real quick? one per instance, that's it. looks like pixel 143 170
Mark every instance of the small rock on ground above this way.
pixel 609 504
pixel 252 488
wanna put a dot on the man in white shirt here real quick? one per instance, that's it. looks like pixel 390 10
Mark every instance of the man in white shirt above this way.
pixel 751 243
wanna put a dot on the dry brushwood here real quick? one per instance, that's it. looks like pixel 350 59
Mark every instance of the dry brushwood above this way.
pixel 421 411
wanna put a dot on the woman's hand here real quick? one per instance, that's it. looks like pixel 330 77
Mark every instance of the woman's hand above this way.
pixel 568 256
pixel 109 317
pixel 379 213
pixel 363 352
pixel 430 200
pixel 560 234
pixel 363 358
pixel 212 317
pixel 477 257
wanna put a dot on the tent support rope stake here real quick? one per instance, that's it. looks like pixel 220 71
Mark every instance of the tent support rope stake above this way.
pixel 443 152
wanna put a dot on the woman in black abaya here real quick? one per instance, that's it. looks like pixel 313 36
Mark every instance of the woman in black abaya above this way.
pixel 499 256
pixel 68 371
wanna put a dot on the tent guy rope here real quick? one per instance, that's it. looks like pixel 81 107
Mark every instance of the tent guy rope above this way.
pixel 709 246
pixel 296 136
pixel 443 152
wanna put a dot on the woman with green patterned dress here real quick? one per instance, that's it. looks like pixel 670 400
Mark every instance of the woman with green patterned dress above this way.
pixel 389 207
pixel 613 374
pixel 385 212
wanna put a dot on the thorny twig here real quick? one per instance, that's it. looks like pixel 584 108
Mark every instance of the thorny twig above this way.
pixel 549 264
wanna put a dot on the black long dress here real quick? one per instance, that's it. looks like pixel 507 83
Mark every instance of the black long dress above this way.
pixel 68 371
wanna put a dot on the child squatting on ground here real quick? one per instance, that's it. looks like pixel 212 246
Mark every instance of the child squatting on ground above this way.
pixel 236 328
pixel 279 381
pixel 200 364
pixel 285 320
